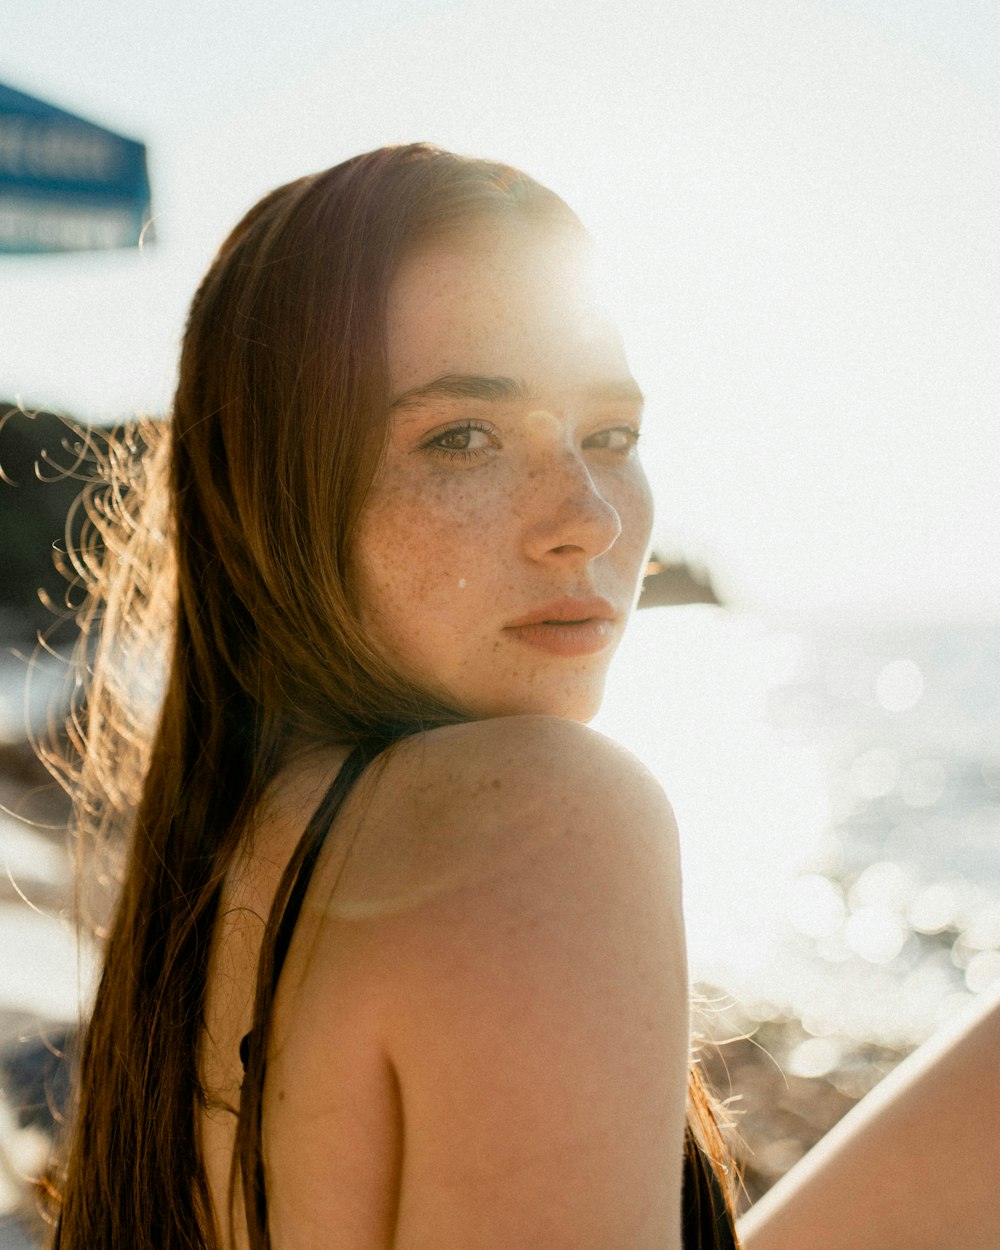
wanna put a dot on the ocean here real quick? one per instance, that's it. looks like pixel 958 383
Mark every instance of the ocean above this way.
pixel 837 791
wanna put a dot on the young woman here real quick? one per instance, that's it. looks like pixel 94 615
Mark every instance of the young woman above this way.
pixel 398 957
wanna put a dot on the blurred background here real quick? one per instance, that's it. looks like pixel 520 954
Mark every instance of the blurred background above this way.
pixel 797 202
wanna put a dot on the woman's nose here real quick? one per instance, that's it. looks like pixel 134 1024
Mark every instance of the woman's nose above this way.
pixel 569 517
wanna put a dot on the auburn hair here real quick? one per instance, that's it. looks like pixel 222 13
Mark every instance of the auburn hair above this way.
pixel 220 635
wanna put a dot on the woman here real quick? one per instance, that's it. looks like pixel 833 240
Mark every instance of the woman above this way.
pixel 398 959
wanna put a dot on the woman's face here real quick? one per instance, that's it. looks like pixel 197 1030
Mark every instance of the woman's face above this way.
pixel 500 549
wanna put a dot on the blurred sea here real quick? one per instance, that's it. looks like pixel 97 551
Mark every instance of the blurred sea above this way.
pixel 838 796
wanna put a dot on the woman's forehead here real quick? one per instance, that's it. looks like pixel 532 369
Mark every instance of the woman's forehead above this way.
pixel 511 298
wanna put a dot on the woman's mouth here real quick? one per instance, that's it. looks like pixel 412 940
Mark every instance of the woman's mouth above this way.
pixel 567 627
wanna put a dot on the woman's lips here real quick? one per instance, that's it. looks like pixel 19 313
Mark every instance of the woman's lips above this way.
pixel 567 627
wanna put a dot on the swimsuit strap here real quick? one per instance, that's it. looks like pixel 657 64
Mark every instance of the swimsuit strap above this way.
pixel 298 873
pixel 287 905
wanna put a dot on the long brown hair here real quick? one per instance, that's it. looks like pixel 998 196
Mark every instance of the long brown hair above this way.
pixel 227 542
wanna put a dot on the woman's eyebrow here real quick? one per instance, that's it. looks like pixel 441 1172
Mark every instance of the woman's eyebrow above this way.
pixel 502 389
pixel 615 391
pixel 464 386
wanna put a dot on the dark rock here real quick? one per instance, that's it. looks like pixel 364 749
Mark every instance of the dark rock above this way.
pixel 35 1074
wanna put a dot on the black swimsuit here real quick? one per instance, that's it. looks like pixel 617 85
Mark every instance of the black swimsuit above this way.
pixel 706 1221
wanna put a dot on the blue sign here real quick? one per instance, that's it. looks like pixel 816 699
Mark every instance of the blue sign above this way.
pixel 66 184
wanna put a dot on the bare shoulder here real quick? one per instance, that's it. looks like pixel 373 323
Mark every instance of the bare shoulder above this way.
pixel 543 757
pixel 503 951
pixel 550 741
pixel 452 807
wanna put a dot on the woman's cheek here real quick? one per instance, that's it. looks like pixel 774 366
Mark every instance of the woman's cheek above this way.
pixel 466 519
pixel 434 532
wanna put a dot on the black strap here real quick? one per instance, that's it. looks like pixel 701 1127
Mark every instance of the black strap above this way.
pixel 248 1158
pixel 303 864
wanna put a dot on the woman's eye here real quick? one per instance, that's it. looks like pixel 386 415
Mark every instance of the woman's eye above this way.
pixel 461 441
pixel 621 438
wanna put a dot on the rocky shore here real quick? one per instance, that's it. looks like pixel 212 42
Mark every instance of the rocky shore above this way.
pixel 776 1116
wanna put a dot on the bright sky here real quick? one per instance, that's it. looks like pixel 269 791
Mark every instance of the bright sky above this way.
pixel 800 199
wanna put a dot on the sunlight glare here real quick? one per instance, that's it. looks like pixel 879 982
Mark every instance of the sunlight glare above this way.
pixel 689 694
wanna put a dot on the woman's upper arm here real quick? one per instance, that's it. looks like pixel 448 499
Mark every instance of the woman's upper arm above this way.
pixel 533 995
pixel 914 1164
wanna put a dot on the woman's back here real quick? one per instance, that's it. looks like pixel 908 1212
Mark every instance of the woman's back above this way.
pixel 481 1031
pixel 247 898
